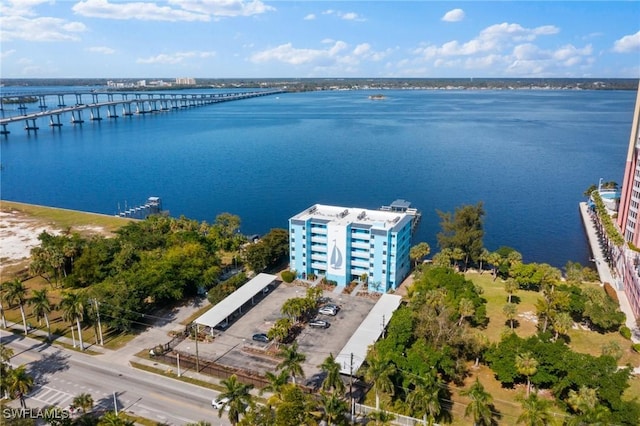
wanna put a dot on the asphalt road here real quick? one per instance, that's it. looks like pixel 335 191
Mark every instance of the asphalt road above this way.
pixel 60 375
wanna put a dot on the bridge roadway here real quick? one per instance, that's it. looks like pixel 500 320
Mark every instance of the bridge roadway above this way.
pixel 143 105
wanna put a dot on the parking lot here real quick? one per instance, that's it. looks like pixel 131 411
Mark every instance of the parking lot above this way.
pixel 234 346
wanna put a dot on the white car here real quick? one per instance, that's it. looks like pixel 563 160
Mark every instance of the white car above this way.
pixel 217 403
pixel 326 310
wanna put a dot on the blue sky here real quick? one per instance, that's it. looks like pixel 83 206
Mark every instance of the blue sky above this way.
pixel 279 39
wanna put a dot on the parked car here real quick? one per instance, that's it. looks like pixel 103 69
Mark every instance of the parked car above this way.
pixel 318 323
pixel 217 403
pixel 326 310
pixel 261 337
pixel 332 306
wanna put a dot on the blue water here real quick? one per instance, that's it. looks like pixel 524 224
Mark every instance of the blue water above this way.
pixel 528 155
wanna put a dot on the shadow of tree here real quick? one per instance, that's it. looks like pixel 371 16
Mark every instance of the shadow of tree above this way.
pixel 48 365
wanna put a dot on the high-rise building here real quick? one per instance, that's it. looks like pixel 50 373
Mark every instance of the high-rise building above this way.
pixel 627 257
pixel 343 244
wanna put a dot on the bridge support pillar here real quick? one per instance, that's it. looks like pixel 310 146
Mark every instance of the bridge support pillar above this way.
pixel 78 119
pixel 4 130
pixel 56 122
pixel 111 111
pixel 79 99
pixel 23 108
pixel 95 114
pixel 43 103
pixel 31 125
pixel 126 109
pixel 61 103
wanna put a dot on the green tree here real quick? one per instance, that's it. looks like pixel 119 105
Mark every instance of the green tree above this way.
pixel 334 409
pixel 482 259
pixel 16 293
pixel 42 307
pixel 526 365
pixel 419 252
pixel 535 411
pixel 6 353
pixel 424 399
pixel 466 309
pixel 280 330
pixel 381 417
pixel 480 406
pixel 110 418
pixel 292 361
pixel 378 372
pixel 296 408
pixel 494 259
pixel 20 383
pixel 510 310
pixel 588 408
pixel 83 401
pixel 238 398
pixel 332 379
pixel 72 306
pixel 464 230
pixel 275 382
pixel 562 323
pixel 511 287
pixel 3 292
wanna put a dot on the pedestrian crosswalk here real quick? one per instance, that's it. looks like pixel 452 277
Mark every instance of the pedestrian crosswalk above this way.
pixel 51 396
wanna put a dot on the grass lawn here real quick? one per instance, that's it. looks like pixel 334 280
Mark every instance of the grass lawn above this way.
pixel 64 219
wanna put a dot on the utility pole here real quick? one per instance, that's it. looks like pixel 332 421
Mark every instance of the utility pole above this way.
pixel 383 327
pixel 352 410
pixel 197 355
pixel 115 403
pixel 178 358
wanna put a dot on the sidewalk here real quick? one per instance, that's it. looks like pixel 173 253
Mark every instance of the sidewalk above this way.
pixel 605 273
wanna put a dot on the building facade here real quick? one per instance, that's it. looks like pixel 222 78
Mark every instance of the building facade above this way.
pixel 627 261
pixel 343 244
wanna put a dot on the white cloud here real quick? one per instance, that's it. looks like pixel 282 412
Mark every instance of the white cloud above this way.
pixel 454 15
pixel 19 21
pixel 135 10
pixel 224 8
pixel 7 53
pixel 627 44
pixel 288 54
pixel 310 17
pixel 101 49
pixel 39 29
pixel 174 58
pixel 347 16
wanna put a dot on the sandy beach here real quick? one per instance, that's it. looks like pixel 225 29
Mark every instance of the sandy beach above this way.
pixel 18 235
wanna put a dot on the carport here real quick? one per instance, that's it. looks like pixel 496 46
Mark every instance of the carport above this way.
pixel 221 312
pixel 354 352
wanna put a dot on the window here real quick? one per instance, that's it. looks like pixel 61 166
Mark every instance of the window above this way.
pixel 293 257
pixel 384 262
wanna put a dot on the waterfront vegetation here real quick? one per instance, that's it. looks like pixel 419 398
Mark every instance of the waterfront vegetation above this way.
pixel 482 336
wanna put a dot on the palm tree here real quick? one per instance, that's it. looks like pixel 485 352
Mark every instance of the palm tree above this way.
pixel 3 291
pixel 334 409
pixel 466 309
pixel 535 411
pixel 276 382
pixel 16 292
pixel 237 397
pixel 378 372
pixel 480 406
pixel 494 259
pixel 381 417
pixel 562 323
pixel 292 361
pixel 511 287
pixel 41 308
pixel 482 258
pixel 332 379
pixel 510 311
pixel 112 419
pixel 587 405
pixel 20 383
pixel 72 305
pixel 280 330
pixel 5 369
pixel 425 398
pixel 526 365
pixel 419 252
pixel 83 401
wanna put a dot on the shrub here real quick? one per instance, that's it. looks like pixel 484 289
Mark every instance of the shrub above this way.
pixel 611 292
pixel 636 347
pixel 288 276
pixel 625 332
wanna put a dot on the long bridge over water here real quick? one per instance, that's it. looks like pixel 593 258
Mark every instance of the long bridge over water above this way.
pixel 130 103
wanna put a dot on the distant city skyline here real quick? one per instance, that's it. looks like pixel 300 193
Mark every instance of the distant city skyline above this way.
pixel 317 39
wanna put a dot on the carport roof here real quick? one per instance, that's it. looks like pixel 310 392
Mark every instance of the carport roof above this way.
pixel 367 333
pixel 235 300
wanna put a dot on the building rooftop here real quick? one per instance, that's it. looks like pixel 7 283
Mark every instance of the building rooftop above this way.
pixel 346 215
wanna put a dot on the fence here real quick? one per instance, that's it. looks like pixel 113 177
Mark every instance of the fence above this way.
pixel 400 420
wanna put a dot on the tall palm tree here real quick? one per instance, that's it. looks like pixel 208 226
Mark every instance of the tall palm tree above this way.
pixel 42 306
pixel 482 258
pixel 83 401
pixel 3 291
pixel 378 372
pixel 511 287
pixel 16 292
pixel 20 383
pixel 381 417
pixel 424 399
pixel 5 369
pixel 535 411
pixel 510 310
pixel 292 361
pixel 494 259
pixel 72 305
pixel 238 398
pixel 332 379
pixel 526 365
pixel 480 406
pixel 562 323
pixel 334 409
pixel 465 309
